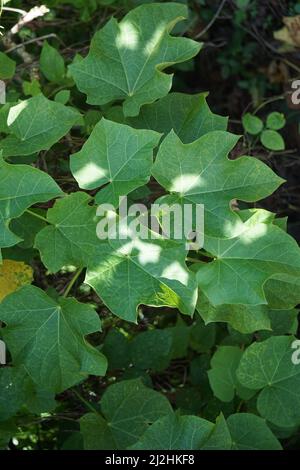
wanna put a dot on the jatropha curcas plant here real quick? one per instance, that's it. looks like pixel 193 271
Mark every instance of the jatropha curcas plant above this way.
pixel 102 328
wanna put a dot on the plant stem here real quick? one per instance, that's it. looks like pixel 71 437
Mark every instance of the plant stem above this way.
pixel 194 260
pixel 38 216
pixel 72 282
pixel 87 404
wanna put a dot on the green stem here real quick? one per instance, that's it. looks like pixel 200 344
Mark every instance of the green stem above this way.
pixel 72 282
pixel 194 260
pixel 38 216
pixel 87 404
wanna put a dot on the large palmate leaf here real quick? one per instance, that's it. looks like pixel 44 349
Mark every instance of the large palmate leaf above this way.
pixel 70 238
pixel 145 271
pixel 48 338
pixel 128 408
pixel 201 173
pixel 37 124
pixel 268 366
pixel 188 115
pixel 117 156
pixel 126 59
pixel 21 186
pixel 242 265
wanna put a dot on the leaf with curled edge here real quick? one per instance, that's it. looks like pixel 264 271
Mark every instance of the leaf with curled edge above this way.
pixel 127 59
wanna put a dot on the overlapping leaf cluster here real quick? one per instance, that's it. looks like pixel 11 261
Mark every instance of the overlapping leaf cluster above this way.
pixel 242 394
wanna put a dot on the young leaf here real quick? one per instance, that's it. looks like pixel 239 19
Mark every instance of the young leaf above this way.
pixel 252 124
pixel 127 59
pixel 52 64
pixel 272 140
pixel 7 67
pixel 201 173
pixel 117 156
pixel 21 186
pixel 53 348
pixel 36 124
pixel 276 121
pixel 268 366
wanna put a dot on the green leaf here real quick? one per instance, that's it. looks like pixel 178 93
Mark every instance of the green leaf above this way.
pixel 17 390
pixel 268 367
pixel 128 408
pixel 202 337
pixel 127 59
pixel 249 432
pixel 201 173
pixel 222 375
pixel 32 88
pixel 117 350
pixel 7 67
pixel 71 237
pixel 52 64
pixel 117 156
pixel 145 271
pixel 21 187
pixel 174 432
pixel 276 121
pixel 252 124
pixel 62 96
pixel 48 338
pixel 272 140
pixel 283 291
pixel 7 431
pixel 36 124
pixel 242 265
pixel 188 115
pixel 151 350
pixel 219 438
pixel 150 272
pixel 243 318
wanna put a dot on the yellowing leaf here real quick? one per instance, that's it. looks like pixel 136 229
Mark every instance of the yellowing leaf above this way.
pixel 290 33
pixel 13 275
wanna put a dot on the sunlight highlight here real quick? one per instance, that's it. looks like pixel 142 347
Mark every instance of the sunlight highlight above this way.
pixel 127 37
